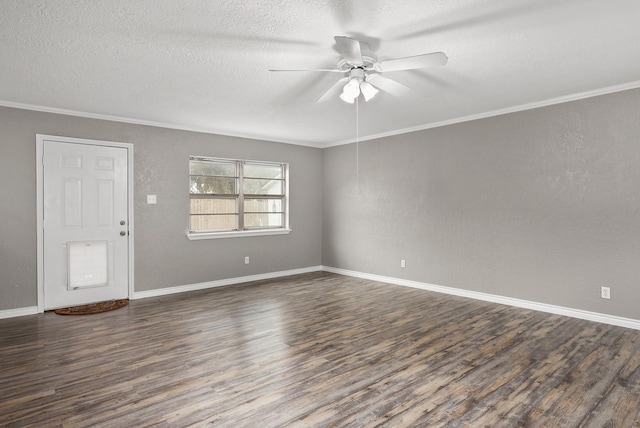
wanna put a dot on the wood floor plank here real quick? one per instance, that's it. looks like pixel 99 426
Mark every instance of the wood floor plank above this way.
pixel 317 350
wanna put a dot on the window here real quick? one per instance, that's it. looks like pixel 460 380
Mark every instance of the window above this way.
pixel 236 197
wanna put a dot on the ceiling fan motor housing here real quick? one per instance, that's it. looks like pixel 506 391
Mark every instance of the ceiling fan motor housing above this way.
pixel 357 74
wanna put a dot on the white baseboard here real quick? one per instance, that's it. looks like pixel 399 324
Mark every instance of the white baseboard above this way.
pixel 18 312
pixel 221 282
pixel 543 307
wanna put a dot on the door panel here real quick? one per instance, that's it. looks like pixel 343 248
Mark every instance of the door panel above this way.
pixel 85 224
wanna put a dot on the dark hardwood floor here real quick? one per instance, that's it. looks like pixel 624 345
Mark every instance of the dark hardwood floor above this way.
pixel 317 350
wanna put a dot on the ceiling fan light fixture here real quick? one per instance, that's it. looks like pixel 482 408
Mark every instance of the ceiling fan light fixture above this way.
pixel 368 91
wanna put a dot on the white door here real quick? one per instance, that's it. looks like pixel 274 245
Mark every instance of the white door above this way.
pixel 85 224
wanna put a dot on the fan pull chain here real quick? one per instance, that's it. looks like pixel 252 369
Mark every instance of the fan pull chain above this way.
pixel 357 144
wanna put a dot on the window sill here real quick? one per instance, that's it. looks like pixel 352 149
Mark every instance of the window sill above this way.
pixel 235 234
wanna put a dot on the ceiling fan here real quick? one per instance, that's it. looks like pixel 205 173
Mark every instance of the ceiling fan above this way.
pixel 363 72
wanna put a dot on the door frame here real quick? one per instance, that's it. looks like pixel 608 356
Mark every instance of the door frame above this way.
pixel 40 139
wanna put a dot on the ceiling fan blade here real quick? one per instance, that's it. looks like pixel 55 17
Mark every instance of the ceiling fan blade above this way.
pixel 385 84
pixel 333 90
pixel 326 70
pixel 411 62
pixel 350 50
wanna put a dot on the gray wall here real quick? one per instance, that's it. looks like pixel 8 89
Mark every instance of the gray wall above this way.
pixel 164 257
pixel 542 205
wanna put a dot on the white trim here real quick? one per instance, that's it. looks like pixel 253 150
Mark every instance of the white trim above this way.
pixel 236 234
pixel 542 307
pixel 222 282
pixel 493 113
pixel 18 312
pixel 40 138
pixel 167 125
pixel 320 145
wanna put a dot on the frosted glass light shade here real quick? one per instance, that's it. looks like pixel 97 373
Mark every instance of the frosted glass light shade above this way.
pixel 368 91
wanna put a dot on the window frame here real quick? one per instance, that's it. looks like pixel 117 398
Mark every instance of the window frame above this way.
pixel 239 198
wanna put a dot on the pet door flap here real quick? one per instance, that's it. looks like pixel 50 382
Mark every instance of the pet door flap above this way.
pixel 87 264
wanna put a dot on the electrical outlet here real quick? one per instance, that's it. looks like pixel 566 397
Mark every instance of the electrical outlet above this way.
pixel 152 199
pixel 605 292
pixel 403 263
pixel 246 260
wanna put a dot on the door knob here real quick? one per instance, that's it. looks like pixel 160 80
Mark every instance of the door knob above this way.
pixel 123 233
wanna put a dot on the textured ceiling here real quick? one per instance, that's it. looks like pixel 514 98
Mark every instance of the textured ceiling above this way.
pixel 203 65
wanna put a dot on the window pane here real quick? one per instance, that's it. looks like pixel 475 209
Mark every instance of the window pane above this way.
pixel 263 205
pixel 225 169
pixel 256 221
pixel 213 206
pixel 262 171
pixel 214 222
pixel 213 185
pixel 253 186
